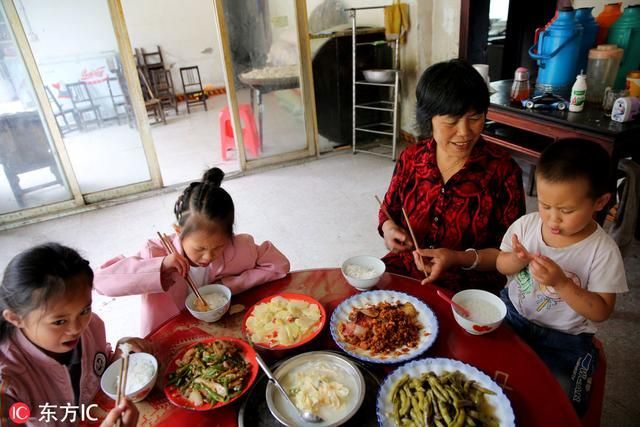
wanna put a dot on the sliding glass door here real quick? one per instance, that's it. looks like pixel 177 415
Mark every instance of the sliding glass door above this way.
pixel 73 123
pixel 31 174
pixel 78 59
pixel 268 72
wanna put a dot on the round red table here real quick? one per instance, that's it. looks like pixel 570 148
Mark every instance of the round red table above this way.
pixel 535 395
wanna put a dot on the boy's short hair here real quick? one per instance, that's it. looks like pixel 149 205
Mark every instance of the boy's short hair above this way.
pixel 573 158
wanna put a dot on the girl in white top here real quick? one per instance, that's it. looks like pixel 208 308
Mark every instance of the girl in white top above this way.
pixel 563 270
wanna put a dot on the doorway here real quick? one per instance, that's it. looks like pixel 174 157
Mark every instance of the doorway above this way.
pixel 78 59
pixel 31 174
pixel 268 75
pixel 500 33
pixel 168 36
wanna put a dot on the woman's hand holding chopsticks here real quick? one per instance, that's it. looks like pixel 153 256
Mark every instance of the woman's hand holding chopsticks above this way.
pixel 433 262
pixel 396 239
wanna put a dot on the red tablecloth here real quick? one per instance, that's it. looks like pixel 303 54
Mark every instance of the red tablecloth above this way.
pixel 535 395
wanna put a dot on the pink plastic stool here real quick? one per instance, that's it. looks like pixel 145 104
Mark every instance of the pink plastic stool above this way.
pixel 249 131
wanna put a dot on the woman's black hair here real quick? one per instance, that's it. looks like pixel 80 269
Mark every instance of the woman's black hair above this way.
pixel 205 199
pixel 451 88
pixel 35 276
pixel 575 158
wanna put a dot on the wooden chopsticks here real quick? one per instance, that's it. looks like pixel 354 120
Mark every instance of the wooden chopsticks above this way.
pixel 413 236
pixel 168 245
pixel 415 242
pixel 121 391
pixel 383 208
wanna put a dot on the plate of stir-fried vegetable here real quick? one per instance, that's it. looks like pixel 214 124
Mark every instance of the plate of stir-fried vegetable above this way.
pixel 211 373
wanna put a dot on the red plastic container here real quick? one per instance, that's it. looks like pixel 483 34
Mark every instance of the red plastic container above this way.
pixel 606 19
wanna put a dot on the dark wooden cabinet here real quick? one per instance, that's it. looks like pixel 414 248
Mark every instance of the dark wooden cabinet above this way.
pixel 525 133
pixel 24 147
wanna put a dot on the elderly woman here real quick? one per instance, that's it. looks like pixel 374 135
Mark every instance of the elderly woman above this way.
pixel 459 192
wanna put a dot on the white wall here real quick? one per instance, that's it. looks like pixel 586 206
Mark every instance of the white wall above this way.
pixel 67 29
pixel 185 30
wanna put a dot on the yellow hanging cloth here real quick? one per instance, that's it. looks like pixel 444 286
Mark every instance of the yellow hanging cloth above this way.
pixel 396 21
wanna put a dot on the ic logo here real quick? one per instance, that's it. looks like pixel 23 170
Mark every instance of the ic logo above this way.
pixel 19 413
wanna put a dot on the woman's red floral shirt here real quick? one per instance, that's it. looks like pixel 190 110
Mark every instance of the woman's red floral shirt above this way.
pixel 472 210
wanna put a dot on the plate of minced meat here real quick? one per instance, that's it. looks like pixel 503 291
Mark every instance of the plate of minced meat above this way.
pixel 383 326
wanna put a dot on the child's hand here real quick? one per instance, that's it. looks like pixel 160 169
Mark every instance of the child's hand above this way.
pixel 129 413
pixel 519 249
pixel 547 272
pixel 175 262
pixel 138 345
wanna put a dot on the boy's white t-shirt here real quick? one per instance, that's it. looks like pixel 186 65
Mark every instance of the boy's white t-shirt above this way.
pixel 594 263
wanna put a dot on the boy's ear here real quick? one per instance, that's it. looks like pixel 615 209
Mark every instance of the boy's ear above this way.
pixel 176 228
pixel 602 201
pixel 13 318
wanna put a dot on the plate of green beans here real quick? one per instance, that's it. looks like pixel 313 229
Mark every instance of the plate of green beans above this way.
pixel 442 392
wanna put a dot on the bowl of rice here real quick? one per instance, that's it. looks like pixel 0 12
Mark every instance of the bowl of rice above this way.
pixel 218 298
pixel 141 377
pixel 363 272
pixel 486 311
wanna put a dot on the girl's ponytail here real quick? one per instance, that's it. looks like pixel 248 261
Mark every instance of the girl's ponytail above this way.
pixel 35 276
pixel 209 201
pixel 213 177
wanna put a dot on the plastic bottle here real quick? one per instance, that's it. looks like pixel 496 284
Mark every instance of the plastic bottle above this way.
pixel 602 69
pixel 626 34
pixel 606 19
pixel 520 89
pixel 578 93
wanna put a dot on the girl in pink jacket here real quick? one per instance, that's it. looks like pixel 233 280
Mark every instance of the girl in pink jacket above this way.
pixel 53 350
pixel 207 250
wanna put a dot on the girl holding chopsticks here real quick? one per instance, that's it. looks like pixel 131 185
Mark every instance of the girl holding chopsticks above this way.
pixel 207 249
pixel 53 349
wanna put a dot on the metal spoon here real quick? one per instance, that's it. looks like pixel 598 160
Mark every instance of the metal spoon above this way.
pixel 305 415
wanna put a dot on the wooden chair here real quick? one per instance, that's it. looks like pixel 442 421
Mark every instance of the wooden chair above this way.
pixel 83 104
pixel 192 86
pixel 153 104
pixel 163 88
pixel 120 100
pixel 60 112
pixel 150 59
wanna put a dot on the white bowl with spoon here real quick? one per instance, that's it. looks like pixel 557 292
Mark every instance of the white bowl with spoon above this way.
pixel 485 311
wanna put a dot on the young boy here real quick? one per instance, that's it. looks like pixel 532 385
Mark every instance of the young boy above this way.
pixel 563 270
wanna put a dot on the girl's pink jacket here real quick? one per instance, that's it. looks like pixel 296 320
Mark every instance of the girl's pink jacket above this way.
pixel 243 264
pixel 28 375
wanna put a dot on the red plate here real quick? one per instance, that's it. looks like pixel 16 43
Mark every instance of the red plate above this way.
pixel 305 339
pixel 174 395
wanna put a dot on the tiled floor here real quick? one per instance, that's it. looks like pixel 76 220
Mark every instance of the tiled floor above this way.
pixel 318 213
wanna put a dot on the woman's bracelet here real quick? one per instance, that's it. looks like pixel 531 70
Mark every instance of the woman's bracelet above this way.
pixel 476 262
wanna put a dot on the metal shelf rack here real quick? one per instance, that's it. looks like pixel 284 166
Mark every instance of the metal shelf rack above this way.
pixel 387 128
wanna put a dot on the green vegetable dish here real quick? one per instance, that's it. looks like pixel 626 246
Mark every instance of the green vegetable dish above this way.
pixel 210 373
pixel 448 399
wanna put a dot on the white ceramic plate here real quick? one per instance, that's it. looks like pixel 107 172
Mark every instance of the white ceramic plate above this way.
pixel 499 401
pixel 426 317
